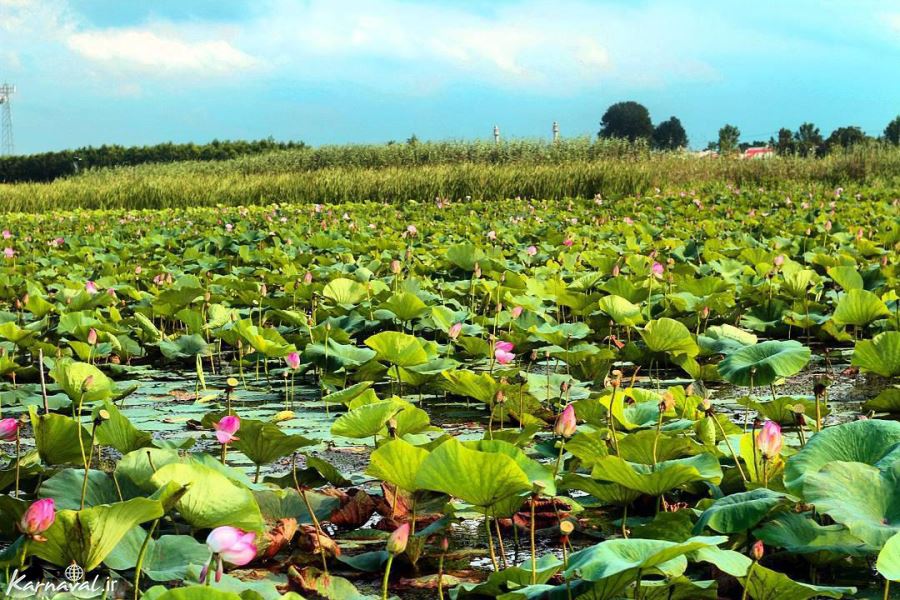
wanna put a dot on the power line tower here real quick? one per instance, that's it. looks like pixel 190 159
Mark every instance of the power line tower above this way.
pixel 6 132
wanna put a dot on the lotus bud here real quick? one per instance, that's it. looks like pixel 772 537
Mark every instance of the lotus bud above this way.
pixel 531 250
pixel 500 398
pixel 616 270
pixel 516 312
pixel 293 360
pixel 398 540
pixel 90 287
pixel 477 271
pixel 232 545
pixel 566 423
pixel 395 266
pixel 769 440
pixel 8 429
pixel 92 336
pixel 455 330
pixel 38 518
pixel 307 278
pixel 445 543
pixel 758 550
pixel 779 260
pixel 87 383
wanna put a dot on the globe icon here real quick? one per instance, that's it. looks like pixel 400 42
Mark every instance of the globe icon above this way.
pixel 74 573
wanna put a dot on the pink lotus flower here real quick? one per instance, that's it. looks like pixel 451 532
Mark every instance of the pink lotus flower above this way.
pixel 396 544
pixel 90 287
pixel 566 423
pixel 516 312
pixel 308 278
pixel 455 330
pixel 531 250
pixel 229 227
pixel 137 270
pixel 503 352
pixel 293 360
pixel 7 234
pixel 769 440
pixel 657 269
pixel 568 242
pixel 226 428
pixel 229 544
pixel 779 260
pixel 38 518
pixel 8 429
pixel 628 221
pixel 9 252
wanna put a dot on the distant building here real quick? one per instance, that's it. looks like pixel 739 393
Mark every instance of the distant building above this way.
pixel 759 152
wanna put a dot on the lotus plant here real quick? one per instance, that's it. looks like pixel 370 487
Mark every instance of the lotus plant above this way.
pixel 769 442
pixel 225 430
pixel 293 363
pixel 503 352
pixel 231 545
pixel 565 427
pixel 396 544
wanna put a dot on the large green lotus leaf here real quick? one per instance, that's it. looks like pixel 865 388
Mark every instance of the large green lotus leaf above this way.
pixel 56 438
pixel 406 306
pixel 344 291
pixel 165 559
pixel 561 333
pixel 606 492
pixel 728 561
pixel 465 255
pixel 879 355
pixel 638 447
pixel 858 496
pixel 868 441
pixel 619 556
pixel 13 333
pixel 764 363
pixel 725 339
pixel 398 348
pixel 479 478
pixel 140 465
pixel 887 400
pixel 766 584
pixel 535 471
pixel 670 336
pixel 81 382
pixel 88 536
pixel 888 563
pixel 801 534
pixel 781 409
pixel 333 355
pixel 347 394
pixel 511 578
pixel 621 310
pixel 117 431
pixel 65 489
pixel 397 462
pixel 739 512
pixel 192 592
pixel 859 307
pixel 264 442
pixel 668 475
pixel 367 420
pixel 212 499
pixel 846 277
pixel 265 340
pixel 185 346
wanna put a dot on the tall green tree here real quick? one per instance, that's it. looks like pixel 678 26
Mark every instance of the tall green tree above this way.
pixel 785 143
pixel 729 137
pixel 670 135
pixel 892 131
pixel 628 120
pixel 809 139
pixel 845 137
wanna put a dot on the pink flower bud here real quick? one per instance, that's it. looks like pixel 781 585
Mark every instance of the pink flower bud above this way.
pixel 9 252
pixel 758 550
pixel 455 330
pixel 395 266
pixel 531 250
pixel 92 336
pixel 8 429
pixel 396 544
pixel 90 287
pixel 568 242
pixel 293 360
pixel 657 270
pixel 38 518
pixel 566 423
pixel 226 428
pixel 516 312
pixel 769 440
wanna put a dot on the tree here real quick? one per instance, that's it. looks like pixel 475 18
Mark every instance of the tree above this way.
pixel 785 143
pixel 845 137
pixel 809 139
pixel 729 136
pixel 669 135
pixel 892 131
pixel 628 120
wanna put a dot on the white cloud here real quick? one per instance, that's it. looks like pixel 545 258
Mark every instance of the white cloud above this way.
pixel 159 54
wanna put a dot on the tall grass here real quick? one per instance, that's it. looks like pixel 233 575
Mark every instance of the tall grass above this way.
pixel 479 171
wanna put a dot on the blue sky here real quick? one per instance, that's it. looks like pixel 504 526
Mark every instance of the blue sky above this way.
pixel 331 71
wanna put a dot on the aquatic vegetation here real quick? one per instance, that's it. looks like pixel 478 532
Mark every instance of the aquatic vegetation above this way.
pixel 636 397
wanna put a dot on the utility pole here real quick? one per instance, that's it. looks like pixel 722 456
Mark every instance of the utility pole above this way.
pixel 496 134
pixel 6 132
pixel 555 131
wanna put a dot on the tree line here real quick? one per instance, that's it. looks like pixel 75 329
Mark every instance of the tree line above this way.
pixel 48 166
pixel 631 120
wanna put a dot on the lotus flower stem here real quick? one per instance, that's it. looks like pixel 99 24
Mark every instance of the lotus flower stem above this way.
pixel 562 450
pixel 87 463
pixel 43 381
pixel 490 541
pixel 18 450
pixel 503 562
pixel 887 588
pixel 387 574
pixel 737 460
pixel 140 560
pixel 534 498
pixel 312 515
pixel 625 521
pixel 765 472
pixel 441 576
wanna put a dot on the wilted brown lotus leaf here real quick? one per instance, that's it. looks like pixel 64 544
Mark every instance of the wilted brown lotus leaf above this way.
pixel 356 508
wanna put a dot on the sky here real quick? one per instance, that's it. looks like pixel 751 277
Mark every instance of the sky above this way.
pixel 131 72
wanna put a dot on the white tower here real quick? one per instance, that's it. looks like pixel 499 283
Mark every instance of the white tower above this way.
pixel 6 132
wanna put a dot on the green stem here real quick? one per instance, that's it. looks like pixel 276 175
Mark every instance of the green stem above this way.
pixel 749 574
pixel 441 577
pixel 737 461
pixel 387 574
pixel 140 560
pixel 490 541
pixel 87 465
pixel 533 547
pixel 562 449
